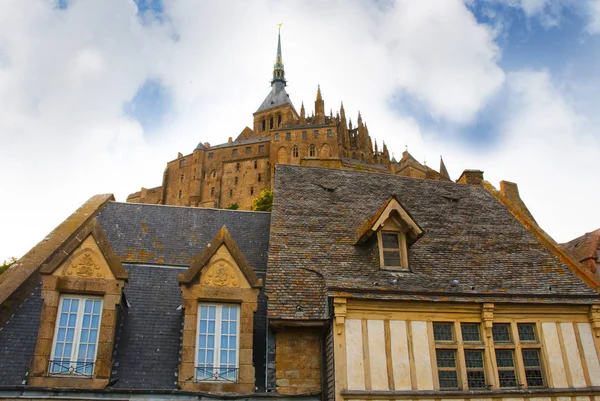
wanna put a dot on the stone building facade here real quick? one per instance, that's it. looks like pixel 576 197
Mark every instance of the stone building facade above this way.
pixel 237 171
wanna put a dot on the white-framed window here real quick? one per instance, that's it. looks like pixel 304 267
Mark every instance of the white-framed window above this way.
pixel 217 342
pixel 76 335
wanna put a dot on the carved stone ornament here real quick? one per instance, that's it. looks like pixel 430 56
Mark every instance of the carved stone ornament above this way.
pixel 220 274
pixel 487 315
pixel 339 311
pixel 85 265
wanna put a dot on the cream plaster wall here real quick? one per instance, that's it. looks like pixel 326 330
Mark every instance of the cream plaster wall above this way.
pixel 422 357
pixel 400 358
pixel 354 355
pixel 589 351
pixel 556 365
pixel 377 357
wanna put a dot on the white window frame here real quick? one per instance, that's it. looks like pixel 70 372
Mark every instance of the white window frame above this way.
pixel 217 347
pixel 76 336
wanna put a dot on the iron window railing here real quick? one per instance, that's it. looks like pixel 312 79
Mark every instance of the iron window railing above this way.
pixel 215 373
pixel 71 368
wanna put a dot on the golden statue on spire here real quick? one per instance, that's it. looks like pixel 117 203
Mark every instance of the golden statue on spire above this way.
pixel 279 26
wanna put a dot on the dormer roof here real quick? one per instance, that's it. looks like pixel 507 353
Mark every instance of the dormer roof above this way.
pixel 392 209
pixel 221 238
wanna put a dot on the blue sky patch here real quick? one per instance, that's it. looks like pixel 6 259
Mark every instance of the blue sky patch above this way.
pixel 150 105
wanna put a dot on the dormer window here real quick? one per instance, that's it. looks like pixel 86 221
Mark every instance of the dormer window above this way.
pixel 396 231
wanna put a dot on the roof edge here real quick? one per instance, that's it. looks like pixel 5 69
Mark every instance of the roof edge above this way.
pixel 223 237
pixel 15 282
pixel 544 238
pixel 94 229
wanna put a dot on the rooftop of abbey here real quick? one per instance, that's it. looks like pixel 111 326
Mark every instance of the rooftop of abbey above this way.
pixel 233 173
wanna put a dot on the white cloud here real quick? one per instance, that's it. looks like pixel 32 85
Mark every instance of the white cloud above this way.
pixel 442 56
pixel 65 75
pixel 594 19
pixel 547 11
pixel 550 150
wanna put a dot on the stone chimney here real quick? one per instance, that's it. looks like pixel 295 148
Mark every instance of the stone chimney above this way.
pixel 471 177
pixel 230 140
pixel 511 191
pixel 179 155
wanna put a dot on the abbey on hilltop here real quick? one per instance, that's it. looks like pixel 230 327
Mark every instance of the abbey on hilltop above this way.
pixel 237 171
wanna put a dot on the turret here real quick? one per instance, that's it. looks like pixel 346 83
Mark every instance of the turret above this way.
pixel 302 114
pixel 319 108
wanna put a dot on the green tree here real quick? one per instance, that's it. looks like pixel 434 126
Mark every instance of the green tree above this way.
pixel 7 263
pixel 233 206
pixel 264 202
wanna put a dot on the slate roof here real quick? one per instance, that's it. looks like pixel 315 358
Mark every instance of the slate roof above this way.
pixel 584 247
pixel 240 143
pixel 148 342
pixel 276 97
pixel 155 244
pixel 173 235
pixel 17 340
pixel 469 236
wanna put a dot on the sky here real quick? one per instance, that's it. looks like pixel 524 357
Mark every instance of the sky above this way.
pixel 97 95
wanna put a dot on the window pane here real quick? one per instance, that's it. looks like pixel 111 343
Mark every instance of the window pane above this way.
pixel 390 240
pixel 507 378
pixel 526 331
pixel 442 332
pixel 470 332
pixel 475 372
pixel 501 333
pixel 533 370
pixel 506 371
pixel 391 258
pixel 446 358
pixel 448 379
pixel 476 379
pixel 474 359
pixel 504 358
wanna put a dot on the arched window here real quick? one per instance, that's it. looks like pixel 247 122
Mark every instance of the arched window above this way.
pixel 271 123
pixel 263 125
pixel 295 151
pixel 214 174
pixel 279 120
pixel 312 150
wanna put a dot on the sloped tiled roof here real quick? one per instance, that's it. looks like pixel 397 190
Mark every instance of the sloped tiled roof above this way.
pixel 584 247
pixel 468 236
pixel 17 340
pixel 148 345
pixel 173 235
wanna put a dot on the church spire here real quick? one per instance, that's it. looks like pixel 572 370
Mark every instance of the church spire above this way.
pixel 443 169
pixel 278 71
